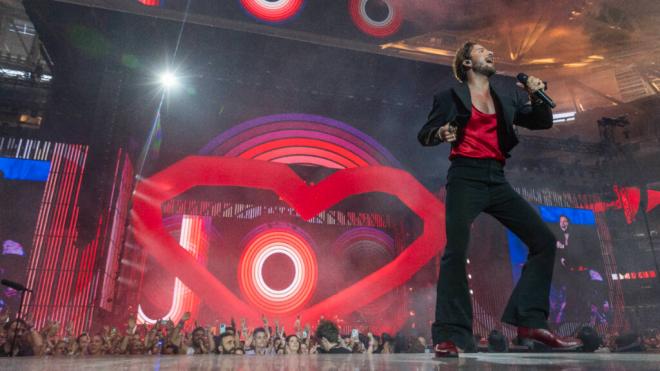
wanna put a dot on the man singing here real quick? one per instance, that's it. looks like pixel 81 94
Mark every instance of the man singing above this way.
pixel 477 118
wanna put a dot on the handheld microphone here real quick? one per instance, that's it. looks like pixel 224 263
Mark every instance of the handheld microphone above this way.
pixel 540 94
pixel 14 285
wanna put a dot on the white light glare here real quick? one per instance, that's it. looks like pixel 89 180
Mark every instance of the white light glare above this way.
pixel 168 80
pixel 563 117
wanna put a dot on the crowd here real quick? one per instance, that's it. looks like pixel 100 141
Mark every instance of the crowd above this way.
pixel 166 337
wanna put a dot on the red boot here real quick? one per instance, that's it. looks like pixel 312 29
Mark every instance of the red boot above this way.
pixel 446 349
pixel 530 336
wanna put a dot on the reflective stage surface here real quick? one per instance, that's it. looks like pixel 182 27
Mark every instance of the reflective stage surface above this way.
pixel 357 362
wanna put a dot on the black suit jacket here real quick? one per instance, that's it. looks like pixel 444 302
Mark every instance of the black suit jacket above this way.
pixel 512 105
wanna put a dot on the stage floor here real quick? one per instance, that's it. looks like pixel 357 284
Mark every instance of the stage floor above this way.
pixel 357 362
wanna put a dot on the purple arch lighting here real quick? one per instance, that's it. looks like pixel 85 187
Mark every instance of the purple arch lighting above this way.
pixel 306 136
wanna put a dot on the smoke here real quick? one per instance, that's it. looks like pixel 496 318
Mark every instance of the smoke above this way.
pixel 466 15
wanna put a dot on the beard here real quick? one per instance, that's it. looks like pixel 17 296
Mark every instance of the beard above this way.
pixel 485 69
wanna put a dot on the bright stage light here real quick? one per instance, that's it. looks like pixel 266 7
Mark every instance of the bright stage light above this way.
pixel 168 80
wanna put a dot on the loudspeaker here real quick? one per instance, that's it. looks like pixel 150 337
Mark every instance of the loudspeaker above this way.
pixel 590 339
pixel 497 342
pixel 630 342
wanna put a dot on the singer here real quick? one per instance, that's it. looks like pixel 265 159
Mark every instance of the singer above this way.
pixel 477 118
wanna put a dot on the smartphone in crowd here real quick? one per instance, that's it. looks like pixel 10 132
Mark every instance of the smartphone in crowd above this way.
pixel 223 328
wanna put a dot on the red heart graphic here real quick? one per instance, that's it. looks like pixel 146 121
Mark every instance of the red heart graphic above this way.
pixel 308 201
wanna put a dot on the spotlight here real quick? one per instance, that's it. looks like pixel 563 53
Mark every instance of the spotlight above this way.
pixel 168 80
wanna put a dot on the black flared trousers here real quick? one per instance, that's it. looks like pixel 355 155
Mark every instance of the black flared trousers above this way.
pixel 475 186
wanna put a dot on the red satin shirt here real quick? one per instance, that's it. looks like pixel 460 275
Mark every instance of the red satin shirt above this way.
pixel 479 139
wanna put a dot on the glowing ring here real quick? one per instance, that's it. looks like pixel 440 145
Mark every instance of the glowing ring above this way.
pixel 272 11
pixel 387 27
pixel 267 242
pixel 258 277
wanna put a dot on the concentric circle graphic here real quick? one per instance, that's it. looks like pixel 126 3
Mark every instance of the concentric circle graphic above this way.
pixel 377 28
pixel 296 138
pixel 275 11
pixel 253 285
pixel 372 247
